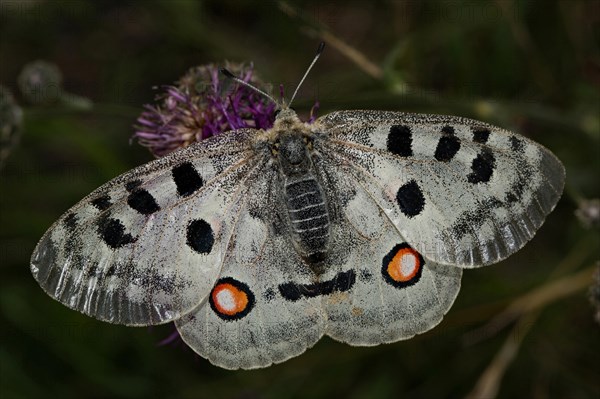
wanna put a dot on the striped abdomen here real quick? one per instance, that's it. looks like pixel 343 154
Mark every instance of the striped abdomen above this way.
pixel 308 216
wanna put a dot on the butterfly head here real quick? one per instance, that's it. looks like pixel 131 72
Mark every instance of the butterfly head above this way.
pixel 283 111
pixel 286 116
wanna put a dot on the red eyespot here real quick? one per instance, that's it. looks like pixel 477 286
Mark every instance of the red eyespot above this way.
pixel 231 299
pixel 402 266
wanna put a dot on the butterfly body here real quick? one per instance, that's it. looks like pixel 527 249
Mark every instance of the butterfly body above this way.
pixel 305 200
pixel 259 242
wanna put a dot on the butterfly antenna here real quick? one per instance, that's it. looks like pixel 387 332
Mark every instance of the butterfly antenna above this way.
pixel 230 75
pixel 319 51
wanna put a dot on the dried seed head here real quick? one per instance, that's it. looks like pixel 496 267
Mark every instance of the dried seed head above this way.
pixel 40 83
pixel 588 213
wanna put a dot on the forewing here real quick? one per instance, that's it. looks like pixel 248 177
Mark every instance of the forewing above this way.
pixel 460 191
pixel 147 247
pixel 384 290
pixel 255 315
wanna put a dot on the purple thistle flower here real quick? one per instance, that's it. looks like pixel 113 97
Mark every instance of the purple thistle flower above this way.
pixel 200 106
pixel 313 112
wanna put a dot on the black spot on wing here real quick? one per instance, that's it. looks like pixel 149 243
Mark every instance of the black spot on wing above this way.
pixel 111 271
pixel 516 144
pixel 113 233
pixel 342 282
pixel 142 201
pixel 290 291
pixel 70 222
pixel 399 140
pixel 448 130
pixel 447 148
pixel 102 203
pixel 481 135
pixel 410 199
pixel 200 236
pixel 187 179
pixel 482 167
pixel 517 188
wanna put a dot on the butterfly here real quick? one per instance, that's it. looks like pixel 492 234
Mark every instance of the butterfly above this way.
pixel 257 243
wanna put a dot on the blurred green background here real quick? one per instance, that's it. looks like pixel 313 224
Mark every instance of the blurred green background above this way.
pixel 532 66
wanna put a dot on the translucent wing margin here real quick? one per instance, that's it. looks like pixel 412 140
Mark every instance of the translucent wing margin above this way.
pixel 147 247
pixel 460 191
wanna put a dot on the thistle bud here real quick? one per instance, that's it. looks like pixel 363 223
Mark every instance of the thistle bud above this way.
pixel 40 83
pixel 588 213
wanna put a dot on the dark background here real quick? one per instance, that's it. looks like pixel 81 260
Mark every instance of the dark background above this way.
pixel 530 66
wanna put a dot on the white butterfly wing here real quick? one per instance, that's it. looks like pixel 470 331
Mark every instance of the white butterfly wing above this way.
pixel 201 236
pixel 393 292
pixel 255 315
pixel 147 247
pixel 460 191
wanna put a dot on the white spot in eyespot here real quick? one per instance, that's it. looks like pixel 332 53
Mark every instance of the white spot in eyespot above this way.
pixel 408 264
pixel 226 300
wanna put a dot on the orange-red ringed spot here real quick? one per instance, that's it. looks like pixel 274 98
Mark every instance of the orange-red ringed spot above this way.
pixel 231 299
pixel 402 266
